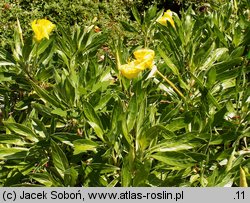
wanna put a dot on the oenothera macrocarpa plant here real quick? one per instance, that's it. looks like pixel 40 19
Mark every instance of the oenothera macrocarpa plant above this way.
pixel 196 57
pixel 30 60
pixel 169 108
pixel 205 61
pixel 47 115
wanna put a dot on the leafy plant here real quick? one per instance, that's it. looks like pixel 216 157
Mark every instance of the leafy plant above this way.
pixel 70 118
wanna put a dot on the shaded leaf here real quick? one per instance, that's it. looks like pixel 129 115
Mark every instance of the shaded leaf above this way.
pixel 59 158
pixel 83 145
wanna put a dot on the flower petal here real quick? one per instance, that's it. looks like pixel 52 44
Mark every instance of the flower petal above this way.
pixel 145 57
pixel 42 28
pixel 167 16
pixel 129 70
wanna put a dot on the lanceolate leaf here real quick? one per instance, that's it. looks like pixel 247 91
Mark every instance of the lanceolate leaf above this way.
pixel 59 158
pixel 151 134
pixel 168 62
pixel 71 176
pixel 83 145
pixel 21 130
pixel 175 159
pixel 45 95
pixel 128 27
pixel 136 15
pixel 167 146
pixel 43 178
pixel 132 112
pixel 12 139
pixel 93 119
pixel 213 57
pixel 209 95
pixel 13 153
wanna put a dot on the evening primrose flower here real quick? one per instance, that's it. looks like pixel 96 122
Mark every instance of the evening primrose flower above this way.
pixel 42 28
pixel 167 16
pixel 130 70
pixel 145 57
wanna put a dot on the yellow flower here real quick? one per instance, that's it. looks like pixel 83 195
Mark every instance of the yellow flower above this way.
pixel 130 70
pixel 145 57
pixel 42 28
pixel 167 16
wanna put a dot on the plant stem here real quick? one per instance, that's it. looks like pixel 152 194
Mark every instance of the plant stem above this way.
pixel 171 84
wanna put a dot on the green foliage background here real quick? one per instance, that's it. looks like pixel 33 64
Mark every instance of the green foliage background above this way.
pixel 66 13
pixel 81 12
pixel 69 118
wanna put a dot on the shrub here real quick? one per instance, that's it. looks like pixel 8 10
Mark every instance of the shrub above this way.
pixel 70 118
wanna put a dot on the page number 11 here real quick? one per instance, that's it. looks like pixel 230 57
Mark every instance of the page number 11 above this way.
pixel 240 195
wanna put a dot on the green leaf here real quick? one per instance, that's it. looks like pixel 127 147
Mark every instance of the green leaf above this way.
pixel 168 61
pixel 13 153
pixel 105 168
pixel 140 118
pixel 211 77
pixel 99 132
pixel 237 52
pixel 230 74
pixel 188 26
pixel 176 159
pixel 6 63
pixel 43 45
pixel 213 57
pixel 93 119
pixel 226 65
pixel 151 134
pixel 208 93
pixel 83 145
pixel 21 130
pixel 136 15
pixel 66 138
pixel 238 37
pixel 59 158
pixel 132 112
pixel 150 13
pixel 243 179
pixel 126 172
pixel 103 101
pixel 203 53
pixel 96 41
pixel 219 116
pixel 176 124
pixel 45 95
pixel 46 57
pixel 141 173
pixel 125 131
pixel 128 27
pixel 43 178
pixel 70 91
pixel 5 56
pixel 45 111
pixel 44 74
pixel 64 57
pixel 116 115
pixel 39 128
pixel 14 179
pixel 12 139
pixel 59 112
pixel 29 49
pixel 71 176
pixel 168 146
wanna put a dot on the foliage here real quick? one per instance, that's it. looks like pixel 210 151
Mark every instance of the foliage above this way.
pixel 69 118
pixel 64 12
